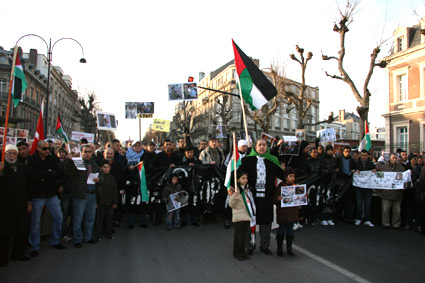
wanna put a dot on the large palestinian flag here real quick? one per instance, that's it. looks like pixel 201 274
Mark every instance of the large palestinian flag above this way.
pixel 19 82
pixel 60 130
pixel 143 184
pixel 366 142
pixel 257 90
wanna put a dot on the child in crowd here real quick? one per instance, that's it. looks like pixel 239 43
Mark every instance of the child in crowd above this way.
pixel 172 216
pixel 107 200
pixel 286 216
pixel 242 203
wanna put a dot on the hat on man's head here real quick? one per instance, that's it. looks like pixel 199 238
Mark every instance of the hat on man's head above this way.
pixel 134 143
pixel 10 147
pixel 289 171
pixel 242 143
pixel 329 147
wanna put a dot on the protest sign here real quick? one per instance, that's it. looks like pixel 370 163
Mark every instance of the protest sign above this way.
pixel 106 121
pixel 382 180
pixel 74 149
pixel 161 125
pixel 218 131
pixel 77 136
pixel 327 135
pixel 177 200
pixel 290 146
pixel 293 196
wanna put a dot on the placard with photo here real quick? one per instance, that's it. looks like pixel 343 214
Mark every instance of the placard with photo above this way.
pixel 175 92
pixel 106 121
pixel 190 91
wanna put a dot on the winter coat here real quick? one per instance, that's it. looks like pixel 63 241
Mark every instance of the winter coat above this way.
pixel 14 198
pixel 368 166
pixel 239 211
pixel 106 190
pixel 391 194
pixel 207 158
pixel 170 189
pixel 79 177
pixel 264 204
pixel 43 176
pixel 162 160
pixel 284 214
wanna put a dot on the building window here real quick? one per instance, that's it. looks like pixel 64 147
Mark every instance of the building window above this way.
pixel 399 44
pixel 402 87
pixel 278 123
pixel 402 137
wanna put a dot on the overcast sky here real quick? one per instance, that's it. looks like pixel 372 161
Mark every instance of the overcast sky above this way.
pixel 135 49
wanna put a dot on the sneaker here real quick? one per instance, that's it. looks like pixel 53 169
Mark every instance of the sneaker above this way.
pixel 357 222
pixel 67 238
pixel 295 227
pixel 407 227
pixel 331 223
pixel 299 225
pixel 368 223
pixel 324 223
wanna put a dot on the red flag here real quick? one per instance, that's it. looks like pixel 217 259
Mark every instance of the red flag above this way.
pixel 39 131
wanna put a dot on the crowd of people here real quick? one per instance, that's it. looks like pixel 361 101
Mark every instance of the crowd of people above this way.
pixel 47 194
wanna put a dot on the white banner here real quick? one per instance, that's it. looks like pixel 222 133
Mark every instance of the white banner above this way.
pixel 77 136
pixel 382 180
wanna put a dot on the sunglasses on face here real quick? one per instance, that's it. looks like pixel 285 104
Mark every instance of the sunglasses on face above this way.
pixel 45 148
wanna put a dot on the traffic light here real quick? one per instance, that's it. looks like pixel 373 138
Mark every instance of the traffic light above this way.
pixel 190 79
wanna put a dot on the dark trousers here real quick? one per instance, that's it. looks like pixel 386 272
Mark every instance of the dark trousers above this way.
pixel 18 249
pixel 408 207
pixel 348 200
pixel 286 229
pixel 239 241
pixel 104 220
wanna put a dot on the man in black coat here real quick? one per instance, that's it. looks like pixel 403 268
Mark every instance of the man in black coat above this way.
pixel 364 196
pixel 14 207
pixel 45 184
pixel 345 165
pixel 262 168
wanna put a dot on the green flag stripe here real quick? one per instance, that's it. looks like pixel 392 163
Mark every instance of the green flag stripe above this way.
pixel 246 83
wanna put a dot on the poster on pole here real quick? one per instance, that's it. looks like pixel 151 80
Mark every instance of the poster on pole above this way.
pixel 135 110
pixel 293 196
pixel 327 135
pixel 175 92
pixel 218 131
pixel 161 125
pixel 77 136
pixel 300 134
pixel 106 121
pixel 131 110
pixel 177 200
pixel 190 91
pixel 382 180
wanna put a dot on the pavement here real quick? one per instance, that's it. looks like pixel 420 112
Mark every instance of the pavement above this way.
pixel 343 253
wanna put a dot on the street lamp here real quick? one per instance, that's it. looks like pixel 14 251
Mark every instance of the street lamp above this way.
pixel 49 59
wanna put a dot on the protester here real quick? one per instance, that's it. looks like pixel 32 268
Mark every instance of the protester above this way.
pixel 212 154
pixel 23 152
pixel 66 198
pixel 83 196
pixel 345 165
pixel 107 201
pixel 45 184
pixel 172 217
pixel 243 207
pixel 15 204
pixel 391 199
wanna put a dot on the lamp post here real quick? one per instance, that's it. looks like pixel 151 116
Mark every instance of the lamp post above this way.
pixel 49 60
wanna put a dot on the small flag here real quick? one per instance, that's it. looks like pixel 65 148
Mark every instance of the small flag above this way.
pixel 231 166
pixel 60 130
pixel 19 83
pixel 143 185
pixel 39 131
pixel 366 142
pixel 256 89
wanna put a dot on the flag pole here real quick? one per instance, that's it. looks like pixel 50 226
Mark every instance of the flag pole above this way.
pixel 12 71
pixel 234 162
pixel 243 116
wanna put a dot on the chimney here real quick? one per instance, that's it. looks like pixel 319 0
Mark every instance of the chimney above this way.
pixel 33 57
pixel 201 76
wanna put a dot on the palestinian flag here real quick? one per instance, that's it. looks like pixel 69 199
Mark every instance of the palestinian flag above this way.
pixel 231 165
pixel 248 200
pixel 143 185
pixel 19 83
pixel 59 128
pixel 366 142
pixel 257 90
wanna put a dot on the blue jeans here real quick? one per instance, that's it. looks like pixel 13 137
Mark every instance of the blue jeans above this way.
pixel 66 203
pixel 54 208
pixel 172 216
pixel 286 228
pixel 363 196
pixel 84 213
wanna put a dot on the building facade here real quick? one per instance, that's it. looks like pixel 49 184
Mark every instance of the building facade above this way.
pixel 405 110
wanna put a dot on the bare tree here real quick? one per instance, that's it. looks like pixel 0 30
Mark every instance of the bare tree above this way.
pixel 345 19
pixel 87 113
pixel 264 116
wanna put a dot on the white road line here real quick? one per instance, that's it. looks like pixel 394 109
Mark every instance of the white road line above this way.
pixel 329 264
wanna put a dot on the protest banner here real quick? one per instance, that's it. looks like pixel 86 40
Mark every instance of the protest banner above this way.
pixel 13 135
pixel 161 125
pixel 327 135
pixel 218 131
pixel 177 201
pixel 382 180
pixel 77 136
pixel 135 110
pixel 294 196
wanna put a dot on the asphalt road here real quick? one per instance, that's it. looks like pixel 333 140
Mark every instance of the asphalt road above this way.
pixel 343 253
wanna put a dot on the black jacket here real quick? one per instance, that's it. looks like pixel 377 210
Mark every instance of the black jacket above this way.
pixel 43 176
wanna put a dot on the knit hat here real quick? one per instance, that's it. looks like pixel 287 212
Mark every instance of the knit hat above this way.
pixel 329 147
pixel 10 147
pixel 242 143
pixel 288 171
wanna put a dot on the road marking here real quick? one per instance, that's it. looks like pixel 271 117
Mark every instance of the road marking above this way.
pixel 331 265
